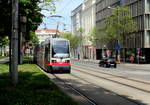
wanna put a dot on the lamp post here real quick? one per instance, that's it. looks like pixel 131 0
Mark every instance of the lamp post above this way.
pixel 22 33
pixel 104 51
pixel 117 46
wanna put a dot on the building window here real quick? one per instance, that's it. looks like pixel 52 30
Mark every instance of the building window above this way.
pixel 140 7
pixel 147 21
pixel 147 38
pixel 147 6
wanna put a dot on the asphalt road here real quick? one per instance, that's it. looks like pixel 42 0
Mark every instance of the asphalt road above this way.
pixel 89 84
pixel 125 85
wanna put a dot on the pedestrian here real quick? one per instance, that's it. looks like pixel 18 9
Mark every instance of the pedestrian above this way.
pixel 132 59
pixel 78 56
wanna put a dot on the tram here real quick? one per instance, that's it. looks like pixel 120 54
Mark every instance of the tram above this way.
pixel 53 55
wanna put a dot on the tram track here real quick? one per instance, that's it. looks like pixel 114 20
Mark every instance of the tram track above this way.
pixel 137 69
pixel 87 98
pixel 130 100
pixel 102 72
pixel 115 81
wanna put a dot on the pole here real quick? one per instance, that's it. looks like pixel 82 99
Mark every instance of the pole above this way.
pixel 14 41
pixel 57 28
pixel 57 23
pixel 118 51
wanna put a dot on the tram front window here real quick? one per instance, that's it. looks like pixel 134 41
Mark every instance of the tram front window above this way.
pixel 60 49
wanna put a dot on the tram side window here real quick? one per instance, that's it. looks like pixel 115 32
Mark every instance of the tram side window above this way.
pixel 47 52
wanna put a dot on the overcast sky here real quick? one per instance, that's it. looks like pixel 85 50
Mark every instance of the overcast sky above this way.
pixel 63 8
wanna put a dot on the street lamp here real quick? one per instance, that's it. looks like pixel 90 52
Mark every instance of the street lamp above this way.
pixel 111 8
pixel 57 16
pixel 117 46
pixel 104 51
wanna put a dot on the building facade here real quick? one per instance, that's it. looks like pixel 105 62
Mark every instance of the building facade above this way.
pixel 88 23
pixel 76 19
pixel 83 17
pixel 139 45
pixel 45 33
pixel 76 22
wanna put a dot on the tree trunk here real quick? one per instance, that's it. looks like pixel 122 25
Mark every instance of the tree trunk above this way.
pixel 14 60
pixel 0 51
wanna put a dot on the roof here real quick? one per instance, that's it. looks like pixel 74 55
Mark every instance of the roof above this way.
pixel 47 30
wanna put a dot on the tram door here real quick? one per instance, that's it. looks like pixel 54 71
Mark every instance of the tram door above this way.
pixel 47 55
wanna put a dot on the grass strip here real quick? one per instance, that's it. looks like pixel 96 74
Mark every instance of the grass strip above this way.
pixel 1 57
pixel 34 88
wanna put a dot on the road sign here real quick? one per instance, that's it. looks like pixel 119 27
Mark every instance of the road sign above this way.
pixel 117 47
pixel 138 50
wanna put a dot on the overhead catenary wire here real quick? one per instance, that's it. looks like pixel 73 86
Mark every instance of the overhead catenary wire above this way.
pixel 65 6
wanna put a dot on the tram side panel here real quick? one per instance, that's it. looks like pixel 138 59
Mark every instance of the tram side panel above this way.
pixel 54 56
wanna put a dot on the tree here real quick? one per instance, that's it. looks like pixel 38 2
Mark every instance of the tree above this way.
pixel 80 34
pixel 3 43
pixel 93 35
pixel 5 17
pixel 119 26
pixel 33 38
pixel 74 39
pixel 28 8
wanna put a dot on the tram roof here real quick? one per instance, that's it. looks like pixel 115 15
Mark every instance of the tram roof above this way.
pixel 49 40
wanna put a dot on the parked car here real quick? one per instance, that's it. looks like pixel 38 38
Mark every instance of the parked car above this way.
pixel 108 62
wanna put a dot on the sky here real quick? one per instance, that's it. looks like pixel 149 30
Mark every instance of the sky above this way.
pixel 63 8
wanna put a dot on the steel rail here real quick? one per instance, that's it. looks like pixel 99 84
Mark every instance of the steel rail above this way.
pixel 147 91
pixel 130 100
pixel 90 100
pixel 137 69
pixel 114 75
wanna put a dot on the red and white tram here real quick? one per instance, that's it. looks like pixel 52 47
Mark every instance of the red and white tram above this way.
pixel 54 55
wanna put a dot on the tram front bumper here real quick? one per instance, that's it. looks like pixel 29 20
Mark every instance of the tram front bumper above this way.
pixel 61 67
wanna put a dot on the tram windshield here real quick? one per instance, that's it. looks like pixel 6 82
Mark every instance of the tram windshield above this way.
pixel 60 48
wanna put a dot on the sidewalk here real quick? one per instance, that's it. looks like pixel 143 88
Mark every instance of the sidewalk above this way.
pixel 135 65
pixel 122 63
pixel 86 60
pixel 4 60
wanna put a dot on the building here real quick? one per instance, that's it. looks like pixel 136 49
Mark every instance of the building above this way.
pixel 76 19
pixel 139 45
pixel 88 23
pixel 45 33
pixel 83 18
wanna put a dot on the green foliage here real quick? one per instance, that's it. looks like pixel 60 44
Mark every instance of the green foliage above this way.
pixel 24 1
pixel 29 8
pixel 33 38
pixel 118 24
pixel 93 35
pixel 80 30
pixel 74 39
pixel 34 88
pixel 4 41
pixel 5 17
pixel 1 57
